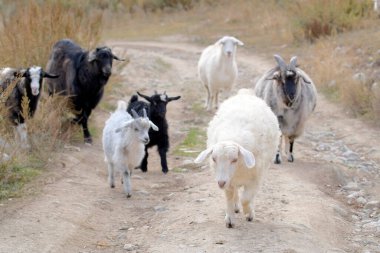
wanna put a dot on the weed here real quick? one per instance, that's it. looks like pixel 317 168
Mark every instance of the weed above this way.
pixel 192 144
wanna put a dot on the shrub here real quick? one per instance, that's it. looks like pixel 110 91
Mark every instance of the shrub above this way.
pixel 319 18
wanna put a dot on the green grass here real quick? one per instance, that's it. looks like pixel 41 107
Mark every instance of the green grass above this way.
pixel 14 177
pixel 194 142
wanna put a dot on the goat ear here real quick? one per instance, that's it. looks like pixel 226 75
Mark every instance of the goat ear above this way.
pixel 220 41
pixel 144 96
pixel 238 42
pixel 154 127
pixel 276 76
pixel 173 98
pixel 117 58
pixel 92 55
pixel 22 73
pixel 48 75
pixel 249 158
pixel 203 155
pixel 280 62
pixel 124 125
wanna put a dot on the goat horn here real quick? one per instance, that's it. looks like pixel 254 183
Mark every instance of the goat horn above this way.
pixel 134 114
pixel 144 112
pixel 144 96
pixel 293 63
pixel 281 63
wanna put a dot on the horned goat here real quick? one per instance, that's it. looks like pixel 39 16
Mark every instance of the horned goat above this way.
pixel 292 96
pixel 83 75
pixel 124 140
pixel 157 114
pixel 23 84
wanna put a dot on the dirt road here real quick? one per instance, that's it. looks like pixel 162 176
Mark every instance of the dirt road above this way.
pixel 327 201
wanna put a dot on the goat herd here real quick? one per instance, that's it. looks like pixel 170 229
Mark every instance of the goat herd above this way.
pixel 243 138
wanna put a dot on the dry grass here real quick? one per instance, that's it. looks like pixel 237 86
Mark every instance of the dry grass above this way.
pixel 29 29
pixel 344 68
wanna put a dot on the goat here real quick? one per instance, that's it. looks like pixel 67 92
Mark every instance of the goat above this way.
pixel 217 68
pixel 83 75
pixel 241 140
pixel 292 96
pixel 23 83
pixel 124 138
pixel 157 114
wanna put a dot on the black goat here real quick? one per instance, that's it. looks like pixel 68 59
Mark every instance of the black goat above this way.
pixel 26 83
pixel 83 75
pixel 156 110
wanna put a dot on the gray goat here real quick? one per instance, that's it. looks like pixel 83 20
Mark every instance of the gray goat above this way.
pixel 292 96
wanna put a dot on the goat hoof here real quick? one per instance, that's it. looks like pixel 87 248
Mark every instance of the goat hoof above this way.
pixel 237 210
pixel 112 186
pixel 290 158
pixel 165 171
pixel 229 225
pixel 277 160
pixel 129 195
pixel 88 140
pixel 249 218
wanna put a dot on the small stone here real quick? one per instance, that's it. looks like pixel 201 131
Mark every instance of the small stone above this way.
pixel 159 208
pixel 361 201
pixel 200 200
pixel 130 247
pixel 351 186
pixel 342 212
pixel 130 229
pixel 372 204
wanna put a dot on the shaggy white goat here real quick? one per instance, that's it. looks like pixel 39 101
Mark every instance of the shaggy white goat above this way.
pixel 241 139
pixel 124 140
pixel 292 96
pixel 217 68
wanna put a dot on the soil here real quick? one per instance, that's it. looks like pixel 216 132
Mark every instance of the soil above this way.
pixel 303 206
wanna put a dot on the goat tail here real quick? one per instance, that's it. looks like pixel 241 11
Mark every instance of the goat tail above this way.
pixel 121 105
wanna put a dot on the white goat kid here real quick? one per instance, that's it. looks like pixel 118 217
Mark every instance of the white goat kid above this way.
pixel 124 140
pixel 217 68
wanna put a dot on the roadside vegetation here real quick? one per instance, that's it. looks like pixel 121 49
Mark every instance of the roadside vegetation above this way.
pixel 337 43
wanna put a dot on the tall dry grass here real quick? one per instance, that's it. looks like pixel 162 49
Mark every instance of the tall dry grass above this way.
pixel 28 31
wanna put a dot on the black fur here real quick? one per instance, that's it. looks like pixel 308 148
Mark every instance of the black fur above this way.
pixel 83 75
pixel 22 81
pixel 156 111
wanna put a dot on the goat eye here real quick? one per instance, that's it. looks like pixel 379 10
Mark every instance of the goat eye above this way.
pixel 234 161
pixel 214 159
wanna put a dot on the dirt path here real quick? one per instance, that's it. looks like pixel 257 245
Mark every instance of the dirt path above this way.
pixel 324 202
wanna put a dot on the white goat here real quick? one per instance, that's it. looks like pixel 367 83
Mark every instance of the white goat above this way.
pixel 241 139
pixel 292 96
pixel 217 68
pixel 124 140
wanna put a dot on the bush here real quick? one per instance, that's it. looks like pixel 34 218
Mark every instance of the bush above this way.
pixel 319 18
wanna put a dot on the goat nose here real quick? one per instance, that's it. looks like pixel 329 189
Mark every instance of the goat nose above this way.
pixel 146 140
pixel 221 183
pixel 229 54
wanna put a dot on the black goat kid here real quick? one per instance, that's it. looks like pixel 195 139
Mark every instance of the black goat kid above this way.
pixel 156 110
